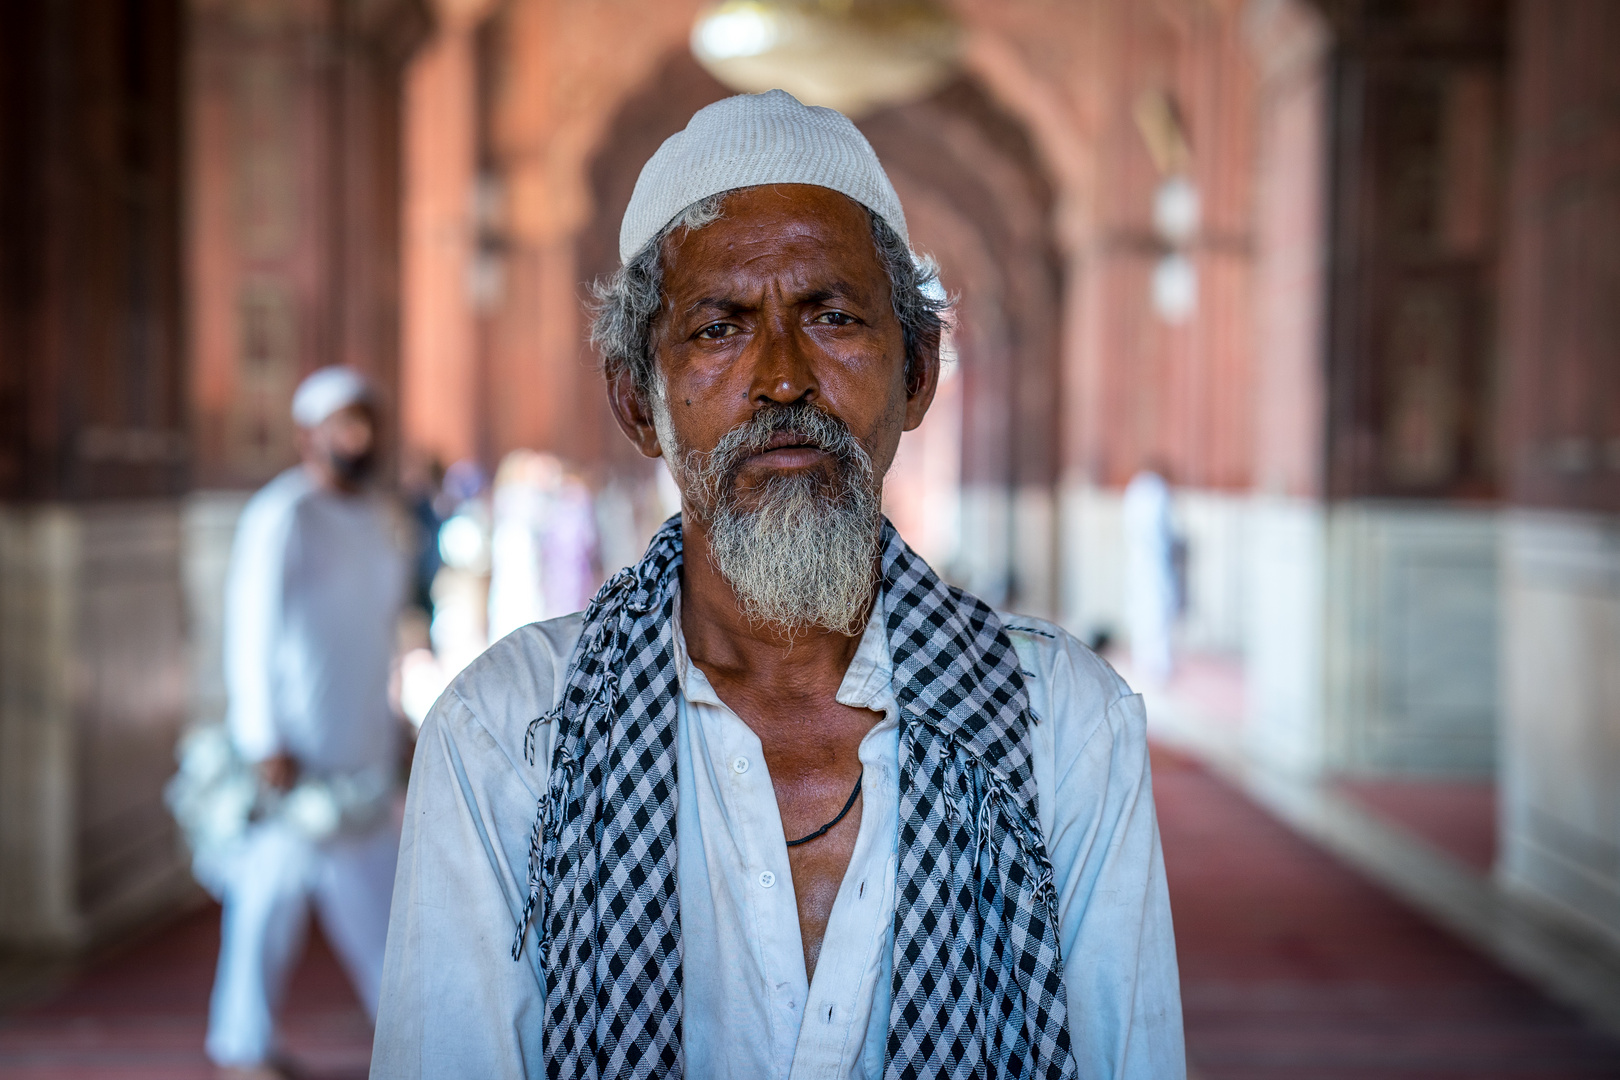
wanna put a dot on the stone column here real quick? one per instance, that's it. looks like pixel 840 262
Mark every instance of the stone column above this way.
pixel 447 278
pixel 93 459
pixel 1561 536
pixel 1373 629
pixel 1284 656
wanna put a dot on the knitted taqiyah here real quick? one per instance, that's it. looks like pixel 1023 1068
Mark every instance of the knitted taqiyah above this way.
pixel 327 390
pixel 754 139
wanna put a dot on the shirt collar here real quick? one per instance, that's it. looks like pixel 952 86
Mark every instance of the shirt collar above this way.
pixel 867 682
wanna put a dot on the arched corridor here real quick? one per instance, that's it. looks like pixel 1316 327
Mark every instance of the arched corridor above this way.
pixel 1340 272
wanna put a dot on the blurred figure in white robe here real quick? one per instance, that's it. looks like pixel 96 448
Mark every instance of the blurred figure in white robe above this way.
pixel 314 589
pixel 543 545
pixel 1151 591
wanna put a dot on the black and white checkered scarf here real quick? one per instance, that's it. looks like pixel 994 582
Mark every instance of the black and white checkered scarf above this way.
pixel 978 987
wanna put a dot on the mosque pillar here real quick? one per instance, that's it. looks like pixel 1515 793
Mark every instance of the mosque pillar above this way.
pixel 1560 545
pixel 94 453
pixel 449 270
pixel 1284 654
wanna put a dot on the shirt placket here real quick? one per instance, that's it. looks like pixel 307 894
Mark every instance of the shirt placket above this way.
pixel 813 1030
pixel 769 910
pixel 833 1029
pixel 770 889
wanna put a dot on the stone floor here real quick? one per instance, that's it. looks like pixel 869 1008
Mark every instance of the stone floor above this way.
pixel 1293 966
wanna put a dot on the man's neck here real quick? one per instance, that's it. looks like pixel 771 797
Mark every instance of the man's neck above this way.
pixel 721 639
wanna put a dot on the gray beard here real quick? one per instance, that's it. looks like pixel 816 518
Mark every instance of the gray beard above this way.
pixel 804 555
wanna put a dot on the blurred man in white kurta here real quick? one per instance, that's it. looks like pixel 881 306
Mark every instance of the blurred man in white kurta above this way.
pixel 315 583
pixel 1150 576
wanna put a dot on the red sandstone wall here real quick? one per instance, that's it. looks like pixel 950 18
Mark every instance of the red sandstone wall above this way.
pixel 440 393
pixel 1562 402
pixel 1290 301
pixel 91 360
pixel 292 231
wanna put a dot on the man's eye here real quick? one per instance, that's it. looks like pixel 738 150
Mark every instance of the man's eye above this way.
pixel 835 318
pixel 715 331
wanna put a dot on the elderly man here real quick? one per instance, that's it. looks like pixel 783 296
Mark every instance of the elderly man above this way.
pixel 780 803
pixel 311 599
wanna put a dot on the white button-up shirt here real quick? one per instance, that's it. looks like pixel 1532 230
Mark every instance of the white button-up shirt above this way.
pixel 455 1004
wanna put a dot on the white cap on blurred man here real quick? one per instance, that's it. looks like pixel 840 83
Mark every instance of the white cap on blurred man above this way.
pixel 327 390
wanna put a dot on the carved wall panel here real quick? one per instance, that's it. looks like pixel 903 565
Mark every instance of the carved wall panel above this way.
pixel 91 364
pixel 293 231
pixel 1562 401
pixel 1416 199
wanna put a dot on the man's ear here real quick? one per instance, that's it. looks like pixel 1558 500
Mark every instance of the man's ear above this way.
pixel 633 412
pixel 922 379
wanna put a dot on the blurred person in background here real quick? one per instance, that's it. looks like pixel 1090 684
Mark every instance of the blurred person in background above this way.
pixel 569 549
pixel 460 627
pixel 312 595
pixel 517 576
pixel 543 543
pixel 1151 588
pixel 421 481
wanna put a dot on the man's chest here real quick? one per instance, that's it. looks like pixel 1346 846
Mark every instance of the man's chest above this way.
pixel 742 930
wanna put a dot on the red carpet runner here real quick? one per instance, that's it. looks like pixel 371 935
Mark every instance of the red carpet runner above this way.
pixel 1293 967
pixel 141 1016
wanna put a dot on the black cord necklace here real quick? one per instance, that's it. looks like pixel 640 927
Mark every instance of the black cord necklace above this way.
pixel 823 830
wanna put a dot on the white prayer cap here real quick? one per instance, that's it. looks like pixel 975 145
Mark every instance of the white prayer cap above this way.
pixel 327 390
pixel 754 139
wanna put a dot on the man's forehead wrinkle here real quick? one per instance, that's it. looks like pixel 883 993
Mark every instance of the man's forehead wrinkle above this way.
pixel 751 297
pixel 743 283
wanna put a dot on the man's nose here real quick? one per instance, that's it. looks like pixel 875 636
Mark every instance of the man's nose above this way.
pixel 783 370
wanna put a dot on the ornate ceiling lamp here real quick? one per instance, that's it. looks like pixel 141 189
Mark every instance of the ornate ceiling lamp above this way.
pixel 851 55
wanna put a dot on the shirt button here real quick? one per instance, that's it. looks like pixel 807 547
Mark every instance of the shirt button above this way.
pixel 739 766
pixel 766 879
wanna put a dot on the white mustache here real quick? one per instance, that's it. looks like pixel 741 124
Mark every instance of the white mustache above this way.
pixel 802 553
pixel 806 423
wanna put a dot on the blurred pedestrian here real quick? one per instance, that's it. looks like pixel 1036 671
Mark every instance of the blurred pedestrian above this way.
pixel 569 548
pixel 314 588
pixel 460 627
pixel 543 547
pixel 1150 575
pixel 421 477
pixel 516 577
